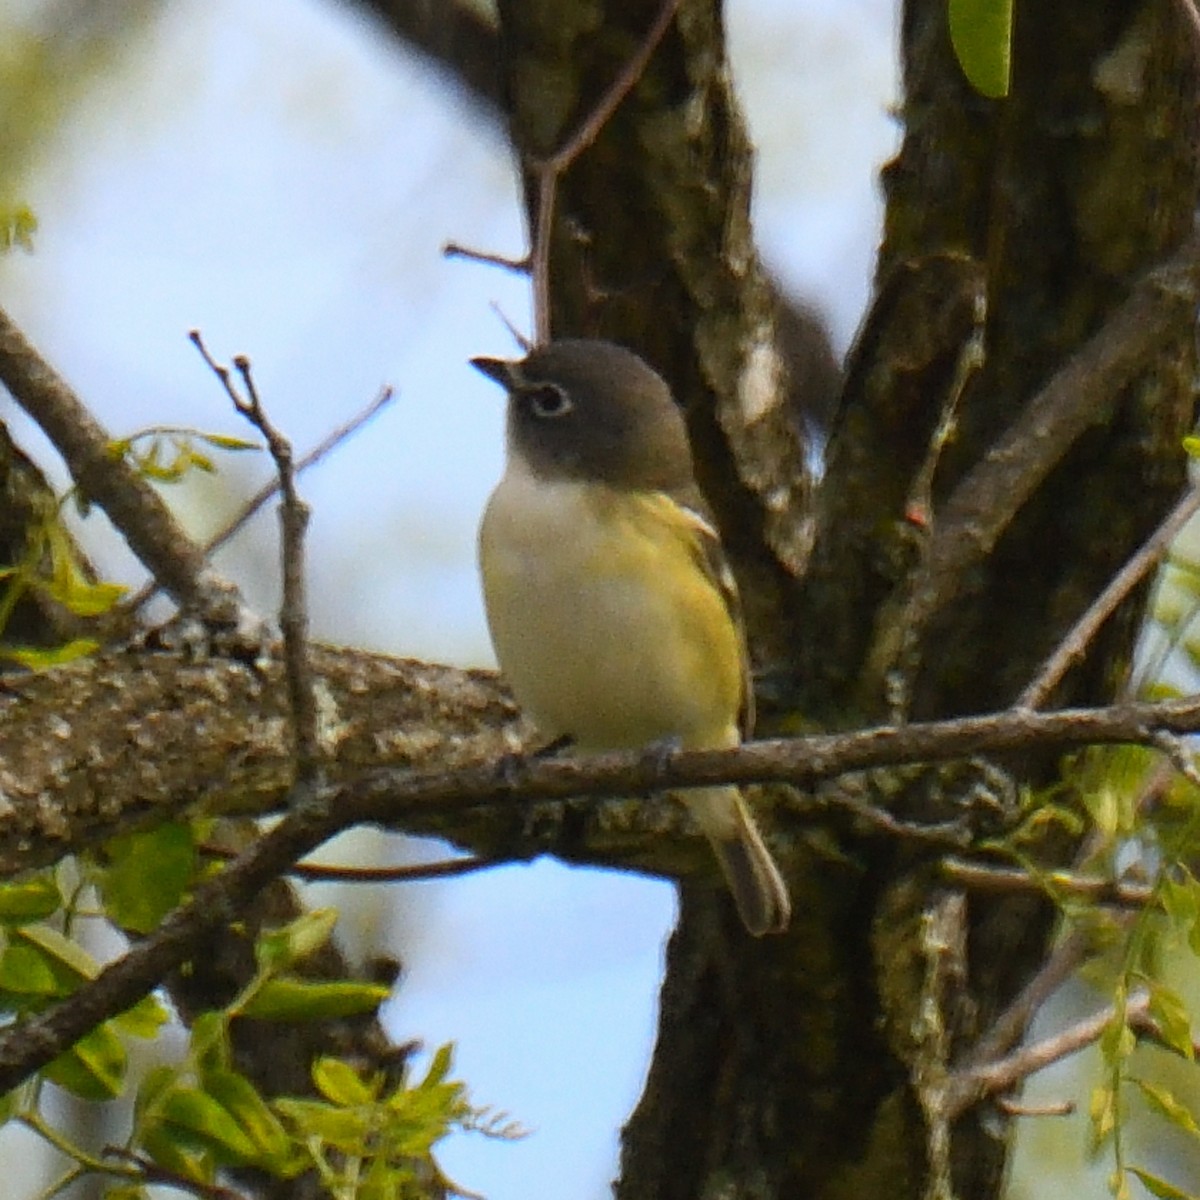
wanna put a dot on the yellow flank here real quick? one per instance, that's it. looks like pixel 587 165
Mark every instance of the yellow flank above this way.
pixel 605 617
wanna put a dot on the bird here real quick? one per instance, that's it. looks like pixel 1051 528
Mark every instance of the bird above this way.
pixel 613 613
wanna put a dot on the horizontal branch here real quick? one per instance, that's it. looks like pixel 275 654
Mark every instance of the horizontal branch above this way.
pixel 405 798
pixel 138 735
pixel 980 877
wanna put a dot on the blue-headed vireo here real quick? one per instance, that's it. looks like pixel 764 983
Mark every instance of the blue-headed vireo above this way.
pixel 613 613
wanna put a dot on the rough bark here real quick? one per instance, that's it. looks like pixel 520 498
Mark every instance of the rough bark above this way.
pixel 805 1066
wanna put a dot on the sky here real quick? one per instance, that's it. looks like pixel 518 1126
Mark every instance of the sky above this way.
pixel 277 175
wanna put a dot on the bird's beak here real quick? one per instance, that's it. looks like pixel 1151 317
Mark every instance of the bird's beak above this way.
pixel 504 371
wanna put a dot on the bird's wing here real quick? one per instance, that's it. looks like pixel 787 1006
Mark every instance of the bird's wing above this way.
pixel 710 554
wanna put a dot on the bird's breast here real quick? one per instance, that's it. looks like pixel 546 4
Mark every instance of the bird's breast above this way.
pixel 603 621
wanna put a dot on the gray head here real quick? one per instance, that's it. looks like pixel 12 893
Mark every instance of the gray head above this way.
pixel 591 410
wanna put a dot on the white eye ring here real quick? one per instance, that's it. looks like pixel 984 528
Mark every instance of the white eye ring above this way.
pixel 548 400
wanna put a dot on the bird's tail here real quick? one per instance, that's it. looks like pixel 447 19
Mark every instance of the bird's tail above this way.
pixel 758 889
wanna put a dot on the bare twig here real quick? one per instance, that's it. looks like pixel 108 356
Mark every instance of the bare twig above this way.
pixel 589 129
pixel 1178 755
pixel 1074 645
pixel 327 444
pixel 520 266
pixel 967 1087
pixel 130 502
pixel 152 1172
pixel 293 521
pixel 980 878
pixel 1017 1108
pixel 1010 1026
pixel 384 797
pixel 1080 395
pixel 547 171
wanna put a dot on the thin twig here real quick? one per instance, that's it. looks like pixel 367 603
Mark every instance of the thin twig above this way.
pixel 1080 395
pixel 152 1172
pixel 1074 645
pixel 293 520
pixel 549 170
pixel 520 266
pixel 546 172
pixel 327 444
pixel 1018 1108
pixel 980 878
pixel 1009 1027
pixel 386 797
pixel 967 1087
pixel 547 191
pixel 128 499
pixel 1179 756
pixel 589 129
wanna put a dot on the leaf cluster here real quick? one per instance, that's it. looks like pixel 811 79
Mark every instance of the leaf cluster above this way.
pixel 368 1136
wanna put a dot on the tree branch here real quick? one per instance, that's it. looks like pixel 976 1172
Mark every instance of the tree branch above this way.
pixel 132 505
pixel 1080 395
pixel 1074 645
pixel 328 443
pixel 75 765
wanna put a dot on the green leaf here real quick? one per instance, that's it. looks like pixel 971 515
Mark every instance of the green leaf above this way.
pixel 202 1120
pixel 291 999
pixel 981 32
pixel 223 441
pixel 346 1129
pixel 237 1095
pixel 26 976
pixel 439 1068
pixel 210 1039
pixel 144 1019
pixel 278 949
pixel 1181 900
pixel 148 875
pixel 39 963
pixel 1174 1022
pixel 1166 1105
pixel 154 1085
pixel 69 583
pixel 1159 1187
pixel 43 658
pixel 93 1068
pixel 341 1083
pixel 73 963
pixel 33 899
pixel 1102 1108
pixel 126 1191
pixel 166 1149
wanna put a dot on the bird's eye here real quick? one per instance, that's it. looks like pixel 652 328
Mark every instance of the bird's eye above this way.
pixel 548 400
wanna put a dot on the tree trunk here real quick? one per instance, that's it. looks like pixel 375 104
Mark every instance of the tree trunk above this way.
pixel 805 1066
